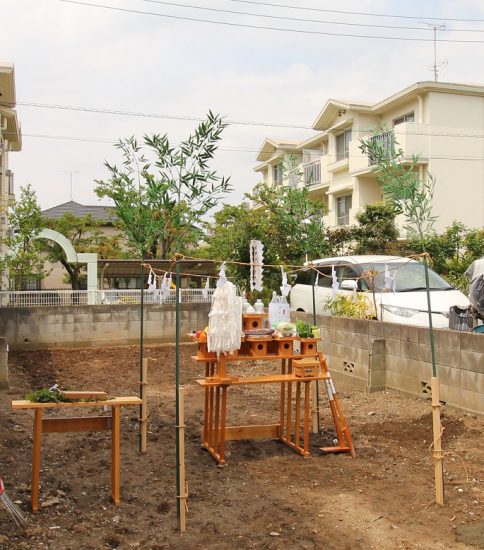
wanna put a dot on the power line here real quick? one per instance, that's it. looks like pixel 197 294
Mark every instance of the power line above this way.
pixel 244 123
pixel 231 149
pixel 366 14
pixel 267 28
pixel 298 19
pixel 153 115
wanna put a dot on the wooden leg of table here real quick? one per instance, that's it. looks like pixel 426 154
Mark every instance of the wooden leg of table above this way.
pixel 210 418
pixel 223 418
pixel 282 403
pixel 297 423
pixel 36 458
pixel 306 417
pixel 216 447
pixel 115 443
pixel 315 407
pixel 205 410
pixel 288 411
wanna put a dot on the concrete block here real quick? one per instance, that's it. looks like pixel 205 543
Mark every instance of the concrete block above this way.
pixel 401 382
pixel 424 353
pixel 394 363
pixel 3 364
pixel 409 349
pixel 449 339
pixel 409 333
pixel 391 330
pixel 472 381
pixel 470 360
pixel 448 357
pixel 323 321
pixel 393 346
pixel 463 399
pixel 358 340
pixel 449 376
pixel 375 329
pixel 425 371
pixel 360 326
pixel 470 341
pixel 102 317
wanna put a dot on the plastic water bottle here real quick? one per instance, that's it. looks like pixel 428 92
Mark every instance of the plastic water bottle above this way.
pixel 274 309
pixel 284 311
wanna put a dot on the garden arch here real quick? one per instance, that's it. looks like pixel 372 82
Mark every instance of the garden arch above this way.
pixel 72 256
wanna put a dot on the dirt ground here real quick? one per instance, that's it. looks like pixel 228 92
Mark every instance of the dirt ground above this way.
pixel 267 497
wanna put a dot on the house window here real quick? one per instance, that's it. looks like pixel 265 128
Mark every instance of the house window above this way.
pixel 343 145
pixel 277 173
pixel 343 206
pixel 409 117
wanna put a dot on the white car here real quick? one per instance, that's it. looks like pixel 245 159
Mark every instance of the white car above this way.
pixel 405 302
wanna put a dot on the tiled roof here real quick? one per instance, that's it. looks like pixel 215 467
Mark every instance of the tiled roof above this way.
pixel 98 212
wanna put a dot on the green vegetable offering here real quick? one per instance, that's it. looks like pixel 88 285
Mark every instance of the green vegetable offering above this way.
pixel 303 329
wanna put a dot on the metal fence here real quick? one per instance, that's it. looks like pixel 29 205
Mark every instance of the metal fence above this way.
pixel 49 298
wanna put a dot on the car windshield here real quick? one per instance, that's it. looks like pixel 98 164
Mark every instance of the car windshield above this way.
pixel 408 276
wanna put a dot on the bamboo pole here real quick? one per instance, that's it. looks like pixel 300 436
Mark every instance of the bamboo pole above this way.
pixel 437 444
pixel 182 496
pixel 144 405
pixel 177 384
pixel 436 424
pixel 142 276
pixel 316 401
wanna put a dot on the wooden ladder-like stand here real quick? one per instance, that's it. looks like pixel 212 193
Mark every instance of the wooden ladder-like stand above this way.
pixel 296 412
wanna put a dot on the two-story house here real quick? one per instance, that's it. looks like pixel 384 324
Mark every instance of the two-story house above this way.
pixel 10 140
pixel 441 123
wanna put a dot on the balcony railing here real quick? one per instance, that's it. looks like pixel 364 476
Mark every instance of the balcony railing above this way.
pixel 385 146
pixel 312 172
pixel 49 298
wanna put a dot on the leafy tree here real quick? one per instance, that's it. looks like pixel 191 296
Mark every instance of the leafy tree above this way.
pixel 23 261
pixel 86 236
pixel 286 220
pixel 453 251
pixel 374 233
pixel 161 202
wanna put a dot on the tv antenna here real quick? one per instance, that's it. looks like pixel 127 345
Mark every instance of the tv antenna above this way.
pixel 436 68
pixel 71 172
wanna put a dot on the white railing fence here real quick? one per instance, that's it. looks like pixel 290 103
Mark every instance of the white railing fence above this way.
pixel 49 298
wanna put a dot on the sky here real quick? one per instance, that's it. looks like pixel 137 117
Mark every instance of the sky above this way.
pixel 80 54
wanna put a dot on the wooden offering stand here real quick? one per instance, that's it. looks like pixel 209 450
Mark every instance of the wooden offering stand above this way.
pixel 77 424
pixel 297 370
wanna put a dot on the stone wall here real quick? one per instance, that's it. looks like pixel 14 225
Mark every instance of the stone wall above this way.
pixel 107 325
pixel 375 355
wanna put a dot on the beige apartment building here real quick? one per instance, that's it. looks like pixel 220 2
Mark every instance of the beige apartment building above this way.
pixel 10 140
pixel 441 123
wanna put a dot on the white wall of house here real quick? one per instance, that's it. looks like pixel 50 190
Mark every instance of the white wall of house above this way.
pixel 446 134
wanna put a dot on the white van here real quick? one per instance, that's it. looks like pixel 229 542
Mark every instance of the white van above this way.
pixel 404 303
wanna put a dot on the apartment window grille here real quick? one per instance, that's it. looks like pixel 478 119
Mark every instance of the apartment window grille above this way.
pixel 277 173
pixel 343 145
pixel 409 117
pixel 343 206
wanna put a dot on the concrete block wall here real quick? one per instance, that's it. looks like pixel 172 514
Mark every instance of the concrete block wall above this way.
pixel 3 364
pixel 376 355
pixel 105 325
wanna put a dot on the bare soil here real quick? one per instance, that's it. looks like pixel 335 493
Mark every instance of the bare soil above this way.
pixel 267 497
